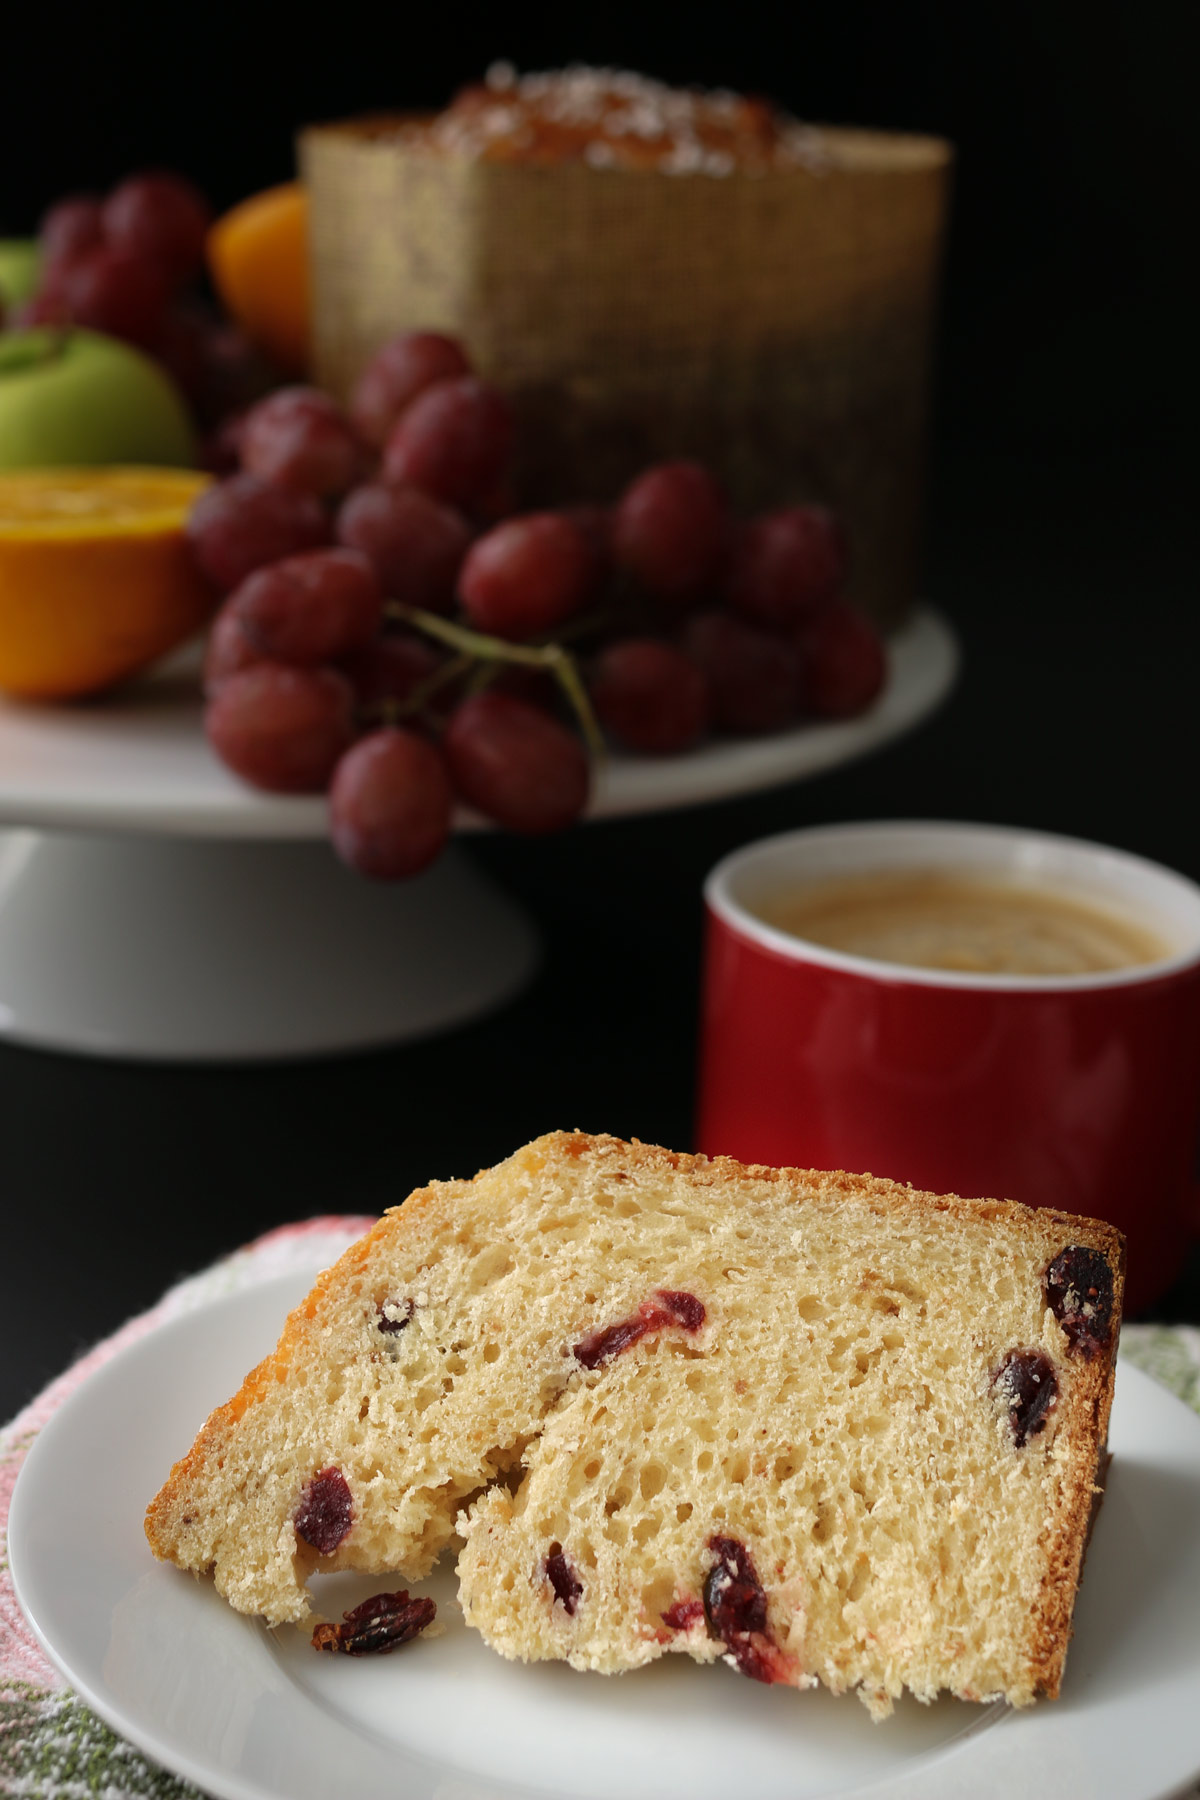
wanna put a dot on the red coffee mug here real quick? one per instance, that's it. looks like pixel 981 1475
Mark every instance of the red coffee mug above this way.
pixel 1080 1092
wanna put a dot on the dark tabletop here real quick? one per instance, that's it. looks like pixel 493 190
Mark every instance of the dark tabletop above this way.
pixel 1061 545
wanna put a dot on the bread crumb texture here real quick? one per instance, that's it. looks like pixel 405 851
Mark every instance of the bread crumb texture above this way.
pixel 664 1403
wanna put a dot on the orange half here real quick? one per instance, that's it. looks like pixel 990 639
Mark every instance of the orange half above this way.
pixel 96 578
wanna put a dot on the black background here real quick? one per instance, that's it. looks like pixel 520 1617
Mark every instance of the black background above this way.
pixel 1061 533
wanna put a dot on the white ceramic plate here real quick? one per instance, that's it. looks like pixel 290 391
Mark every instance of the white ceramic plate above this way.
pixel 250 1716
pixel 138 761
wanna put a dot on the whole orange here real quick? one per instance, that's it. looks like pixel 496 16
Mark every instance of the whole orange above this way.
pixel 258 256
pixel 96 578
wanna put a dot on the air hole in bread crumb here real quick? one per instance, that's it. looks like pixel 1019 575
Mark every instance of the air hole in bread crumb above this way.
pixel 810 1308
pixel 491 1353
pixel 653 1480
pixel 683 1512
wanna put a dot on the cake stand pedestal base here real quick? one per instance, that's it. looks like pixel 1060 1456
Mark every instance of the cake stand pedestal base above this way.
pixel 201 949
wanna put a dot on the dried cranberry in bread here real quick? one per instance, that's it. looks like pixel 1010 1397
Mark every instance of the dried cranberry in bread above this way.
pixel 824 1426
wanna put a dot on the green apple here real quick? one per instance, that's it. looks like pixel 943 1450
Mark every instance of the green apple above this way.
pixel 77 397
pixel 20 261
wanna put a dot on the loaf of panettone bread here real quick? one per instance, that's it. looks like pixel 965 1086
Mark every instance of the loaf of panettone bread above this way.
pixel 824 1426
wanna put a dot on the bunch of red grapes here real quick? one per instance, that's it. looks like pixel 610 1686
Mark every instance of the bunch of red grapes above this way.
pixel 395 633
pixel 127 264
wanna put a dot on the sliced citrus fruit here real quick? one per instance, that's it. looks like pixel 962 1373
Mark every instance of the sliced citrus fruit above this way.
pixel 96 579
pixel 258 255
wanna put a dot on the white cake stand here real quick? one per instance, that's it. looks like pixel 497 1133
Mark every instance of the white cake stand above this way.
pixel 153 906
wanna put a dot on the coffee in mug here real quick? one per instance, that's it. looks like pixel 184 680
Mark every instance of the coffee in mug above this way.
pixel 935 918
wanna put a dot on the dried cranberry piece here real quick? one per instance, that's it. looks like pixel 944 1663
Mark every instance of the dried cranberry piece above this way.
pixel 683 1614
pixel 600 1346
pixel 735 1605
pixel 1027 1381
pixel 683 1308
pixel 380 1624
pixel 734 1598
pixel 560 1573
pixel 1079 1291
pixel 394 1315
pixel 326 1511
pixel 669 1306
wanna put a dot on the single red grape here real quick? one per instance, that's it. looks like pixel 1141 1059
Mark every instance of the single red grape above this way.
pixel 670 529
pixel 516 765
pixel 453 441
pixel 414 543
pixel 843 664
pixel 526 575
pixel 300 438
pixel 280 727
pixel 162 219
pixel 116 292
pixel 391 668
pixel 390 804
pixel 650 695
pixel 228 650
pixel 312 608
pixel 753 675
pixel 786 564
pixel 70 227
pixel 242 524
pixel 396 374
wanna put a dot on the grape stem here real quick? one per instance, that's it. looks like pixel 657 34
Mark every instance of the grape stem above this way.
pixel 481 647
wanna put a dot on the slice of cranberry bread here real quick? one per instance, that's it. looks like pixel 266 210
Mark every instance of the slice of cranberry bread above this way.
pixel 827 1427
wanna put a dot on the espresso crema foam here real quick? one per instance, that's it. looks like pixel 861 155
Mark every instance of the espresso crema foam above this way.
pixel 938 919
